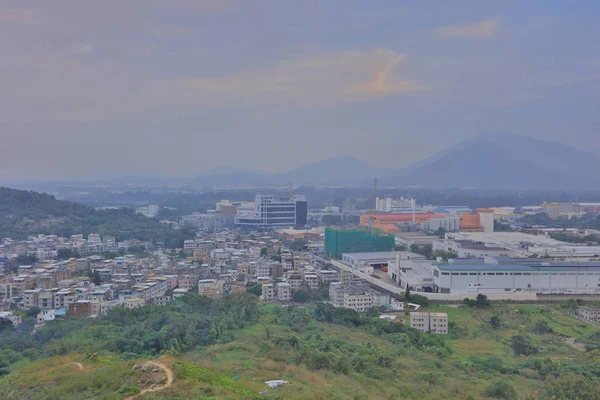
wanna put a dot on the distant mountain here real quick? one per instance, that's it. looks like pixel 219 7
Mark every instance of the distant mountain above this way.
pixel 339 170
pixel 332 171
pixel 503 161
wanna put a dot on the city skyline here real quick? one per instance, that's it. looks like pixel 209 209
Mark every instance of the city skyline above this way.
pixel 178 88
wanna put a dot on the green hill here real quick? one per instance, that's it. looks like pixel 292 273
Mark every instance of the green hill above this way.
pixel 228 348
pixel 24 213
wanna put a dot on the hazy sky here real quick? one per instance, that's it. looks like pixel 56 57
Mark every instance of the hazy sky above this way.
pixel 92 88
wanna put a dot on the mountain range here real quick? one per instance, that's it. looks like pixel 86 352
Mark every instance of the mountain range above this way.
pixel 488 161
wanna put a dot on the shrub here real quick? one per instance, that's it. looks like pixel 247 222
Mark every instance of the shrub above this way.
pixel 501 390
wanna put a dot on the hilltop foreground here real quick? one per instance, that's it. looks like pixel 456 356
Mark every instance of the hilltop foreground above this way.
pixel 226 349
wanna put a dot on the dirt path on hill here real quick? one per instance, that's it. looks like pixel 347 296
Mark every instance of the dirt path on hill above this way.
pixel 78 364
pixel 168 371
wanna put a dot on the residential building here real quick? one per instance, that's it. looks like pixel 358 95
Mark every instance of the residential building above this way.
pixel 591 314
pixel 80 309
pixel 284 291
pixel 360 302
pixel 429 322
pixel 150 211
pixel 269 292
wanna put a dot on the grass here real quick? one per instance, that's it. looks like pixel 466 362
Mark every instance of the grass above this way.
pixel 252 359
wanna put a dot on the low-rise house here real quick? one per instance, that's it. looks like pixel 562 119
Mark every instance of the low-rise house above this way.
pixel 429 322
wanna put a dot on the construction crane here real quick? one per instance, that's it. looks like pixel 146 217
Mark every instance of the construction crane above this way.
pixel 372 220
pixel 291 191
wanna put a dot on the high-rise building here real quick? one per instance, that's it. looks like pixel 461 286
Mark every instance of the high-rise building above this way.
pixel 272 211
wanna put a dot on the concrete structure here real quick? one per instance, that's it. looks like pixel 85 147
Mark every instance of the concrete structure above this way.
pixel 203 222
pixel 150 211
pixel 360 302
pixel 270 211
pixel 284 291
pixel 429 322
pixel 387 205
pixel 591 314
pixel 15 319
pixel 450 223
pixel 80 309
pixel 339 241
pixel 471 249
pixel 486 219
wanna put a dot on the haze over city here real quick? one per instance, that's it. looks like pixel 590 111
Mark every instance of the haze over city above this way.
pixel 177 88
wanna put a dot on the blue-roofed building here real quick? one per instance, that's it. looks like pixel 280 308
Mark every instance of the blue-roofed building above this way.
pixel 506 275
pixel 456 210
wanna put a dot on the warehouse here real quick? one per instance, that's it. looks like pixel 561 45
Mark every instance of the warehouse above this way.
pixel 492 276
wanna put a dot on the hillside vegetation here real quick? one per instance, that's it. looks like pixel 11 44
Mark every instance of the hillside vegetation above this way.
pixel 228 348
pixel 24 213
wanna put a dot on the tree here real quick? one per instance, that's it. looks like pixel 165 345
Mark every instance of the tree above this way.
pixel 33 311
pixel 94 276
pixel 522 345
pixel 65 254
pixel 572 386
pixel 6 325
pixel 301 296
pixel 482 301
pixel 263 252
pixel 440 232
pixel 495 322
pixel 254 288
pixel 299 244
pixel 501 390
pixel 444 255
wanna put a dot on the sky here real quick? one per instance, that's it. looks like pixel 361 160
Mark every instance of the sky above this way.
pixel 111 88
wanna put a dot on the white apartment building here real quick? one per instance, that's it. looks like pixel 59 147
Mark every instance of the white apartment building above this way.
pixel 150 211
pixel 269 292
pixel 326 276
pixel 429 322
pixel 284 291
pixel 336 294
pixel 272 211
pixel 393 205
pixel 359 301
pixel 312 281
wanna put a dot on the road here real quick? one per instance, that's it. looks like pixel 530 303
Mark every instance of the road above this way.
pixel 380 284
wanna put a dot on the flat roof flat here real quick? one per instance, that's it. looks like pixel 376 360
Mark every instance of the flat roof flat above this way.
pixel 559 267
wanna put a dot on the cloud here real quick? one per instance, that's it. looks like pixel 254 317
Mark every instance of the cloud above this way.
pixel 69 88
pixel 484 29
pixel 333 77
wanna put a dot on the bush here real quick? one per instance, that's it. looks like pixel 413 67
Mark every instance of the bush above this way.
pixel 301 296
pixel 500 390
pixel 521 345
pixel 418 299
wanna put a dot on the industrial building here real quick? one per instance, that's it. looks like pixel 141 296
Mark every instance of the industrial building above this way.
pixel 450 223
pixel 506 275
pixel 518 244
pixel 270 211
pixel 339 241
pixel 389 222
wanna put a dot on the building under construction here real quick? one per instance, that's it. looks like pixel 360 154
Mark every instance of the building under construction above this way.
pixel 340 240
